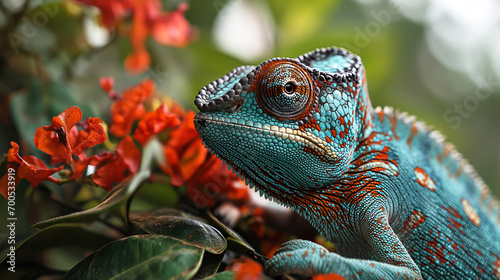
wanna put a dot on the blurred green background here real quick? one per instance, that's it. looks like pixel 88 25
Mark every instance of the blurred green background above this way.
pixel 438 61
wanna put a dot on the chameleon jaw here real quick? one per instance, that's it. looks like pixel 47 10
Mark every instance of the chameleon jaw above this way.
pixel 310 141
pixel 243 175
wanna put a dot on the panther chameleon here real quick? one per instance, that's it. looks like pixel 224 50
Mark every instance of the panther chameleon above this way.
pixel 396 200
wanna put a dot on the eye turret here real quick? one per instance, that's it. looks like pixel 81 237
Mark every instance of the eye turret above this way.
pixel 284 89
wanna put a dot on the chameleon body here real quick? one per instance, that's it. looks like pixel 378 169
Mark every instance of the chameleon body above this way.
pixel 395 199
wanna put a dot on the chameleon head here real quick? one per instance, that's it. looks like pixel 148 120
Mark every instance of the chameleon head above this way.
pixel 286 124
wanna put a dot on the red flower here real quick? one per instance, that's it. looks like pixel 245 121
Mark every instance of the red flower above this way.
pixel 91 135
pixel 247 270
pixel 172 29
pixel 111 10
pixel 83 162
pixel 62 138
pixel 107 83
pixel 188 162
pixel 54 139
pixel 117 168
pixel 129 107
pixel 155 122
pixel 29 168
pixel 138 61
pixel 331 276
pixel 184 152
pixel 214 182
pixel 169 28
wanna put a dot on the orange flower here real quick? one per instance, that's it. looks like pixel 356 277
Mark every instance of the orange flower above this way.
pixel 116 168
pixel 331 276
pixel 91 135
pixel 62 138
pixel 107 83
pixel 155 122
pixel 129 107
pixel 184 152
pixel 247 270
pixel 172 29
pixel 111 10
pixel 29 168
pixel 214 182
pixel 54 139
pixel 167 28
pixel 83 162
pixel 188 162
pixel 138 61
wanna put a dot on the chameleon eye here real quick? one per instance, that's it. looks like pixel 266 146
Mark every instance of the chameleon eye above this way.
pixel 284 89
pixel 289 87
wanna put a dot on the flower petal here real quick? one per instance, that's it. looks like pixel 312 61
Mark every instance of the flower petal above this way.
pixel 155 122
pixel 129 153
pixel 129 107
pixel 138 61
pixel 107 175
pixel 172 29
pixel 92 135
pixel 35 171
pixel 54 139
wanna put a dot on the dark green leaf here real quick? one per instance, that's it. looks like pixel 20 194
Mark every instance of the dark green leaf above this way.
pixel 115 201
pixel 140 257
pixel 191 231
pixel 209 266
pixel 238 244
pixel 58 236
pixel 23 229
pixel 225 275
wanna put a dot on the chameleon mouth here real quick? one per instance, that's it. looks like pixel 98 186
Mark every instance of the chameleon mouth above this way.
pixel 311 142
pixel 239 172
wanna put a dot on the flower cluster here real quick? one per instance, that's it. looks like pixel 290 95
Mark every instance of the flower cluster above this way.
pixel 67 136
pixel 147 18
pixel 136 117
pixel 246 269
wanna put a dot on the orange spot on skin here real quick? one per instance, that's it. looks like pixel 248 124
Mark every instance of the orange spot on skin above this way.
pixel 393 126
pixel 381 115
pixel 458 172
pixel 496 269
pixel 414 131
pixel 471 212
pixel 334 132
pixel 424 179
pixel 455 223
pixel 415 219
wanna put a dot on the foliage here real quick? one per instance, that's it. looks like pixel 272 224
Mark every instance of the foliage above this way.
pixel 98 198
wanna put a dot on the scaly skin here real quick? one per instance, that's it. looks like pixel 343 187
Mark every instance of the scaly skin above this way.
pixel 397 201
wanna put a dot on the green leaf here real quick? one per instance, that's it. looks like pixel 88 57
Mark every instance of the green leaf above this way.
pixel 191 231
pixel 225 275
pixel 23 229
pixel 209 266
pixel 115 201
pixel 238 244
pixel 57 236
pixel 140 257
pixel 235 242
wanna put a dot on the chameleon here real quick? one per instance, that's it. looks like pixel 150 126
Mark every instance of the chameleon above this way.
pixel 396 199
